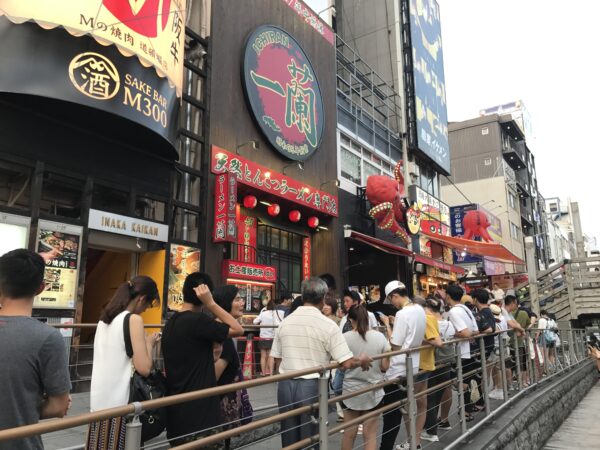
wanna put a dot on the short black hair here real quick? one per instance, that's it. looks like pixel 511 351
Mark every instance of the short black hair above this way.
pixel 352 294
pixel 543 312
pixel 481 296
pixel 455 292
pixel 224 296
pixel 193 280
pixel 509 300
pixel 21 273
pixel 285 296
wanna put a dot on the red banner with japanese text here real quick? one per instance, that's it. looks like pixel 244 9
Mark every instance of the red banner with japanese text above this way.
pixel 225 227
pixel 247 239
pixel 305 258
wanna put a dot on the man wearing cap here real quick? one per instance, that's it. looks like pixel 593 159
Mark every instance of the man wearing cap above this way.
pixel 408 332
pixel 497 393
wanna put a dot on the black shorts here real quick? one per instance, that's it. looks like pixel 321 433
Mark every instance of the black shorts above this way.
pixel 265 344
pixel 512 363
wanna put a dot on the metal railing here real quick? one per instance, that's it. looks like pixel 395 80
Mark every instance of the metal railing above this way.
pixel 541 362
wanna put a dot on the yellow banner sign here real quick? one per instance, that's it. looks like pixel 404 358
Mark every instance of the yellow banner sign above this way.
pixel 152 30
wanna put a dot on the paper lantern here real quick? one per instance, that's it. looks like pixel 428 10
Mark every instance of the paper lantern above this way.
pixel 313 222
pixel 273 209
pixel 250 201
pixel 295 216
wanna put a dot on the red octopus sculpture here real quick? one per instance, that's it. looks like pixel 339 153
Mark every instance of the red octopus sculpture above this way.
pixel 475 224
pixel 386 195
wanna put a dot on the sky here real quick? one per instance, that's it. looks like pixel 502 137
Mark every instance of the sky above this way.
pixel 543 52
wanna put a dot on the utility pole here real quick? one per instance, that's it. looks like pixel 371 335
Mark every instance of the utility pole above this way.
pixel 532 274
pixel 579 245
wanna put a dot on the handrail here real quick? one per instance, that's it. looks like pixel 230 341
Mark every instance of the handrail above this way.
pixel 87 418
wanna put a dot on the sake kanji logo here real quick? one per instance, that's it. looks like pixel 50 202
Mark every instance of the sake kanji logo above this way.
pixel 283 92
pixel 146 17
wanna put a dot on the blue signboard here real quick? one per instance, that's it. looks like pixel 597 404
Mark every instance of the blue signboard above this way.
pixel 429 82
pixel 457 213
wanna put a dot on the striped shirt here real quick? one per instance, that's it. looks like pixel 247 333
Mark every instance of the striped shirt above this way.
pixel 308 339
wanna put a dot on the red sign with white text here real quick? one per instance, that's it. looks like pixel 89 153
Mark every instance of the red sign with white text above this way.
pixel 252 174
pixel 249 271
pixel 247 238
pixel 312 18
pixel 305 258
pixel 225 228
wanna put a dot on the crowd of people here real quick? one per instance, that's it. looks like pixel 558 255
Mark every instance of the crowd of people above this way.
pixel 200 352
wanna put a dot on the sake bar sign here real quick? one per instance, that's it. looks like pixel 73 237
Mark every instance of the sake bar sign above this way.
pixel 251 174
pixel 248 271
pixel 283 92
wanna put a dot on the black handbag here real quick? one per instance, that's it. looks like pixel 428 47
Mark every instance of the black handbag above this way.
pixel 146 388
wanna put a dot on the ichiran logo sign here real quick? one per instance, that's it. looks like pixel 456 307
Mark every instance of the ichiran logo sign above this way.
pixel 283 92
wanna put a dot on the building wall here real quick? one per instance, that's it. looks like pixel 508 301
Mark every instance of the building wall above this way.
pixel 481 192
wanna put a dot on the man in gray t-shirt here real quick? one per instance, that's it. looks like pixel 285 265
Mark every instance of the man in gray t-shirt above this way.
pixel 34 375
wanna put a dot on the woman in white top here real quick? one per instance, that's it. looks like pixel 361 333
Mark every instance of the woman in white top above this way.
pixel 272 317
pixel 362 340
pixel 112 368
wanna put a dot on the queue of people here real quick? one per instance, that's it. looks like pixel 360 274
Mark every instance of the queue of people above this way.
pixel 199 353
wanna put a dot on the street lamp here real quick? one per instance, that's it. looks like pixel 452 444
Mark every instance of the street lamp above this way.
pixel 336 182
pixel 254 142
pixel 300 166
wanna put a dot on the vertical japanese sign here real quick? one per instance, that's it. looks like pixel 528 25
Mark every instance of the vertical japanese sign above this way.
pixel 183 261
pixel 225 205
pixel 247 239
pixel 59 245
pixel 283 92
pixel 305 258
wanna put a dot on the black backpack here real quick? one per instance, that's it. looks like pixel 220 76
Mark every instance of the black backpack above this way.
pixel 146 388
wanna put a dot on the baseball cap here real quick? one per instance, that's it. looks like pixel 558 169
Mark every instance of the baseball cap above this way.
pixel 495 310
pixel 392 286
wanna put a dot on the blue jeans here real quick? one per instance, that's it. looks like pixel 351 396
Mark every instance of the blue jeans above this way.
pixel 337 384
pixel 292 394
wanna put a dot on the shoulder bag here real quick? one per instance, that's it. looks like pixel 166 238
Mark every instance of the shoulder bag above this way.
pixel 146 388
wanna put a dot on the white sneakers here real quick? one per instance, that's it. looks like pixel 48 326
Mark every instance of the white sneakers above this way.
pixel 429 437
pixel 496 394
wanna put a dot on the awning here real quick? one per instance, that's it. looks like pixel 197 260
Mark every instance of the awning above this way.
pixel 379 244
pixel 475 247
pixel 439 264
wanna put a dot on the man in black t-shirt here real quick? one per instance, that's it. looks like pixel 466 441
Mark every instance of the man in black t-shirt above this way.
pixel 187 345
pixel 486 322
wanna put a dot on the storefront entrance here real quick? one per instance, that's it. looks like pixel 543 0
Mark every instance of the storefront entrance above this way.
pixel 108 266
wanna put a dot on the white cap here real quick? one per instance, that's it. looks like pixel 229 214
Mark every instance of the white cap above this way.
pixel 392 286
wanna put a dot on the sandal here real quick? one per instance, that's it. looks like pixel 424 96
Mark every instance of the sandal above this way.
pixel 469 417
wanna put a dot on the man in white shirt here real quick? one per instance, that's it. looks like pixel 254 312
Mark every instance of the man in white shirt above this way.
pixel 304 340
pixel 408 332
pixel 466 326
pixel 498 293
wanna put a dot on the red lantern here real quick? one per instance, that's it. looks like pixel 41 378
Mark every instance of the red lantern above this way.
pixel 250 201
pixel 313 222
pixel 295 216
pixel 273 209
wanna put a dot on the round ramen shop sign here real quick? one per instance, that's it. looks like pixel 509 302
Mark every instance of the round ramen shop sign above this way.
pixel 283 92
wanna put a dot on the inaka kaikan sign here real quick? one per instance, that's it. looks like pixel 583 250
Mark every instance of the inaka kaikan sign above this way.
pixel 225 229
pixel 248 271
pixel 152 30
pixel 128 226
pixel 251 174
pixel 283 92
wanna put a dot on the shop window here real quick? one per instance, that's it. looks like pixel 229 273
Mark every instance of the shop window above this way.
pixel 110 199
pixel 275 243
pixel 15 185
pixel 150 209
pixel 285 238
pixel 185 225
pixel 62 195
pixel 351 166
pixel 369 170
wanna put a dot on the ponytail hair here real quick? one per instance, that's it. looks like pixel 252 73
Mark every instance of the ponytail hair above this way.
pixel 359 314
pixel 126 292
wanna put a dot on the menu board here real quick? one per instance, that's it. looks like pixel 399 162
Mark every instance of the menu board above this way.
pixel 59 245
pixel 183 261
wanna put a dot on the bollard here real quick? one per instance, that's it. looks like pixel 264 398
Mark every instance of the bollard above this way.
pixel 461 390
pixel 412 403
pixel 503 367
pixel 133 430
pixel 518 365
pixel 323 410
pixel 484 377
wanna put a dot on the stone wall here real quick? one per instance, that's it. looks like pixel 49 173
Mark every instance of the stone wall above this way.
pixel 533 420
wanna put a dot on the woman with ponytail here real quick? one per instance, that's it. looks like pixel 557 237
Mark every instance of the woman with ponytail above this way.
pixel 361 339
pixel 112 367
